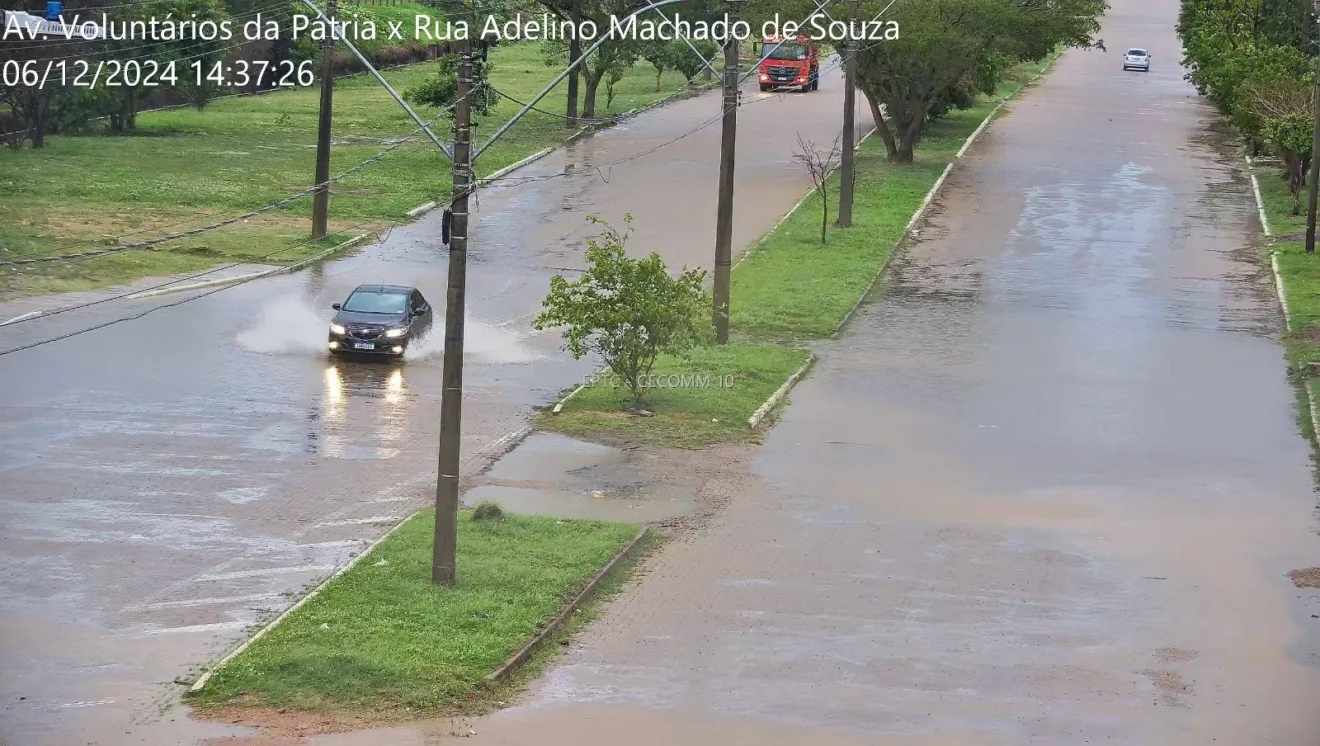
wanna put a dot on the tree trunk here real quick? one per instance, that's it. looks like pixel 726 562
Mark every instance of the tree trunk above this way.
pixel 824 210
pixel 910 135
pixel 881 126
pixel 592 81
pixel 1296 179
pixel 659 72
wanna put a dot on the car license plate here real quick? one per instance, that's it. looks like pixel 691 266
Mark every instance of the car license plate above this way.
pixel 364 345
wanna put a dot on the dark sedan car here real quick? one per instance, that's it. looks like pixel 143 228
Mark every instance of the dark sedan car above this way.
pixel 379 319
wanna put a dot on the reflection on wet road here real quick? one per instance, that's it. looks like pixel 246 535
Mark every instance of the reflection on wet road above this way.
pixel 1047 490
pixel 166 482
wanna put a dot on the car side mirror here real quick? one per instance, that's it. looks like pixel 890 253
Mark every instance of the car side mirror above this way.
pixel 335 306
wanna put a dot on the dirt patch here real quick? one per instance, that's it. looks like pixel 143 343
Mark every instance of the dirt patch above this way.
pixel 1308 577
pixel 1170 688
pixel 1175 655
pixel 281 727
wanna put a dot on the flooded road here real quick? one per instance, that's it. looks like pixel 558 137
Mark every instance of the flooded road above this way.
pixel 166 482
pixel 1047 489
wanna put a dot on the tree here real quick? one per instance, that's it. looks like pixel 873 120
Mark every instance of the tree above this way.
pixel 689 63
pixel 122 101
pixel 1278 104
pixel 607 64
pixel 441 90
pixel 951 49
pixel 661 56
pixel 819 165
pixel 626 310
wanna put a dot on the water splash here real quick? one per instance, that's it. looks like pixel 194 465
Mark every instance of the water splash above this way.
pixel 288 325
pixel 481 341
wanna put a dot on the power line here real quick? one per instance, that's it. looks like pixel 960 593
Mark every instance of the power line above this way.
pixel 153 309
pixel 229 221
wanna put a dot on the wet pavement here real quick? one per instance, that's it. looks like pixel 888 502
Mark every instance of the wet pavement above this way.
pixel 1047 489
pixel 169 481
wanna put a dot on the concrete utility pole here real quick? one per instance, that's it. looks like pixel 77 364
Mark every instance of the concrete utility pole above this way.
pixel 1315 152
pixel 848 165
pixel 321 198
pixel 724 216
pixel 574 54
pixel 451 378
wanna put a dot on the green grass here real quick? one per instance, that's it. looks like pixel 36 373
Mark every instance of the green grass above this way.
pixel 684 417
pixel 789 290
pixel 382 638
pixel 1299 272
pixel 184 168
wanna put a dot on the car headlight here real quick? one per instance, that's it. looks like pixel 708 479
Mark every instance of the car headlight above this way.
pixel 393 333
pixel 337 329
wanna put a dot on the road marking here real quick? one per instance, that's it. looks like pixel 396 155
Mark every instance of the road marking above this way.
pixel 197 628
pixel 21 316
pixel 400 499
pixel 259 573
pixel 203 602
pixel 362 521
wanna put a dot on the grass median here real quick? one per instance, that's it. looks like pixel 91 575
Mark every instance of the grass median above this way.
pixel 789 291
pixel 184 168
pixel 1299 272
pixel 382 640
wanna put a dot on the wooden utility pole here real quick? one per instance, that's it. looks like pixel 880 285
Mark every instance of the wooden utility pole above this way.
pixel 451 378
pixel 1315 155
pixel 321 198
pixel 574 54
pixel 724 216
pixel 848 164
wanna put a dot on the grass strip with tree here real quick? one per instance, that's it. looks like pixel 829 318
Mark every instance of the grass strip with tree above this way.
pixel 381 639
pixel 789 291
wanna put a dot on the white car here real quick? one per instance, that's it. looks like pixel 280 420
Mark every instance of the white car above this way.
pixel 1137 59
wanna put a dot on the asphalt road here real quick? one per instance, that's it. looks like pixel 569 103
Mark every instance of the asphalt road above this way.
pixel 167 481
pixel 1047 490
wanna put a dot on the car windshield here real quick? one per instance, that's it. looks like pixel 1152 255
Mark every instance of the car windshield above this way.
pixel 1136 53
pixel 785 51
pixel 365 301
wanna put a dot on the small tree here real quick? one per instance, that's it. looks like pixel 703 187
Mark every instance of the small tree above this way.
pixel 626 310
pixel 688 62
pixel 660 55
pixel 819 165
pixel 441 90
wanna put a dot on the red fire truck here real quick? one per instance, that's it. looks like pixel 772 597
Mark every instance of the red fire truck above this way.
pixel 789 63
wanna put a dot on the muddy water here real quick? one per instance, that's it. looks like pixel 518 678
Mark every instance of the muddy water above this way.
pixel 1047 490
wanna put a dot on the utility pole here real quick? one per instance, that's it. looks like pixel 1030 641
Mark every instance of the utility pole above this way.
pixel 451 378
pixel 848 165
pixel 574 54
pixel 1315 153
pixel 321 198
pixel 724 216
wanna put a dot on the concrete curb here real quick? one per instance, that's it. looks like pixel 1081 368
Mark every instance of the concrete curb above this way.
pixel 202 681
pixel 249 276
pixel 1255 190
pixel 779 394
pixel 559 405
pixel 422 208
pixel 934 190
pixel 556 623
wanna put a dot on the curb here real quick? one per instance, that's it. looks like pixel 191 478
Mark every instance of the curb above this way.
pixel 496 449
pixel 1283 296
pixel 515 661
pixel 250 276
pixel 206 677
pixel 418 210
pixel 779 394
pixel 930 196
pixel 559 405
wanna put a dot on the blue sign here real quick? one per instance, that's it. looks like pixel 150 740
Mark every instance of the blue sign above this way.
pixel 53 10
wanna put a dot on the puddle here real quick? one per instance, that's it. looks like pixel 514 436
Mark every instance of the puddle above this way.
pixel 595 505
pixel 543 457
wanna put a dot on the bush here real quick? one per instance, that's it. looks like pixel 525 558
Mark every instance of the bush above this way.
pixel 487 511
